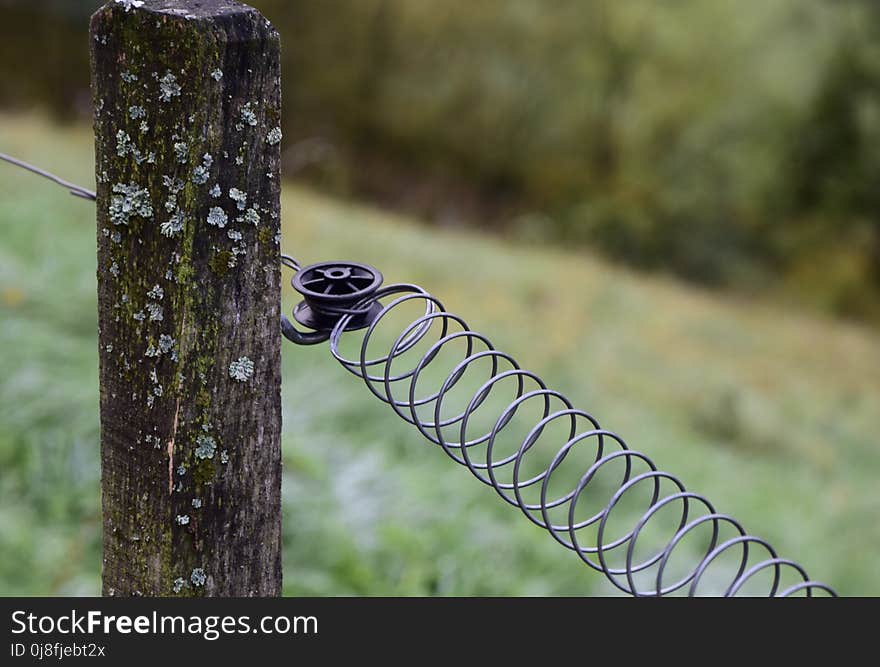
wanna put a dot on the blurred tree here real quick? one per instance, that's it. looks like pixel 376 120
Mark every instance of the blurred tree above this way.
pixel 835 160
pixel 731 144
pixel 44 55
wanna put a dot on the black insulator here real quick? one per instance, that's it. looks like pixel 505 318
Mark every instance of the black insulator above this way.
pixel 330 291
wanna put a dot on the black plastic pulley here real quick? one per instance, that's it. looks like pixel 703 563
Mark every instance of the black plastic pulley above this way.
pixel 330 291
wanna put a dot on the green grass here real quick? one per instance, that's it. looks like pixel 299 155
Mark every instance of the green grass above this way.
pixel 772 414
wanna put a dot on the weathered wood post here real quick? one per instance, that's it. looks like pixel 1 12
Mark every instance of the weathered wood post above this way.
pixel 187 113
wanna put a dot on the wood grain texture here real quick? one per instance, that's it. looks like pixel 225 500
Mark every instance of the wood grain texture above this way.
pixel 187 105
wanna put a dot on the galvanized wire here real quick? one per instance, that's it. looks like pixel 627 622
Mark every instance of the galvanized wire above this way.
pixel 72 188
pixel 504 473
pixel 394 380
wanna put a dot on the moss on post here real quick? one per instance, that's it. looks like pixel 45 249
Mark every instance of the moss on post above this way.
pixel 187 110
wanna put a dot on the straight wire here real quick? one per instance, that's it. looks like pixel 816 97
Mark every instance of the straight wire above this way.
pixel 72 188
pixel 79 191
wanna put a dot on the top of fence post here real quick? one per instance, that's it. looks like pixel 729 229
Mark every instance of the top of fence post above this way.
pixel 187 114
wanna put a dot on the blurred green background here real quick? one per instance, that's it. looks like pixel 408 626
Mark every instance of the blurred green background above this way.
pixel 671 211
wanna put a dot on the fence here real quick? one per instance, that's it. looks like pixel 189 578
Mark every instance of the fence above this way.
pixel 187 111
pixel 187 104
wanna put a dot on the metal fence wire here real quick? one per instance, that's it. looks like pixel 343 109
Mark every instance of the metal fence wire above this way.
pixel 609 504
pixel 616 511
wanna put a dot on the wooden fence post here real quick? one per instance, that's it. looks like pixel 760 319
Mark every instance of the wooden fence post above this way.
pixel 187 101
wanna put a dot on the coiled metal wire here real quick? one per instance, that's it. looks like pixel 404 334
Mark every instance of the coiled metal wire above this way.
pixel 478 449
pixel 580 517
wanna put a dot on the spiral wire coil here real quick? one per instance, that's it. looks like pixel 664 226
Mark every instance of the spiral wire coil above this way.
pixel 571 532
pixel 638 576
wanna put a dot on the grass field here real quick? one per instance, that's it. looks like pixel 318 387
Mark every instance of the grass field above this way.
pixel 773 414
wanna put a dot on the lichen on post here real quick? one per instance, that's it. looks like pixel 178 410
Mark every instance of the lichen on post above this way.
pixel 187 103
